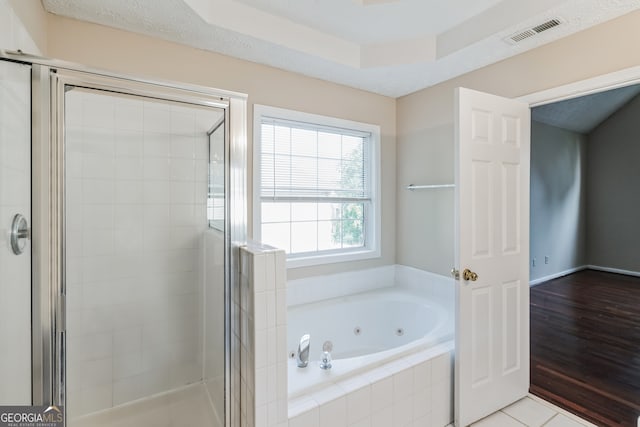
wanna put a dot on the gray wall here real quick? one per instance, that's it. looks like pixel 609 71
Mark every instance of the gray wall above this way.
pixel 614 190
pixel 558 199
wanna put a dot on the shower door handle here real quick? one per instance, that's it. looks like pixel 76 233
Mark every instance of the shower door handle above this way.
pixel 20 233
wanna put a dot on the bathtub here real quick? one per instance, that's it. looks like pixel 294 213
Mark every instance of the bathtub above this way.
pixel 372 318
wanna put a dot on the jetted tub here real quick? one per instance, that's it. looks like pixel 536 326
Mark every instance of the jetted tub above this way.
pixel 371 317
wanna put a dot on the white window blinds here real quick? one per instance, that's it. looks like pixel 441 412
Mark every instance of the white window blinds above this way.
pixel 315 188
pixel 307 162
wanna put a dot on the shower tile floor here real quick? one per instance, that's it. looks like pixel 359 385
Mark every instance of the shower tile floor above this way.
pixel 532 412
pixel 187 407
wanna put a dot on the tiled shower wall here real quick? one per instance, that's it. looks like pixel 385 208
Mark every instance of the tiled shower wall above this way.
pixel 136 192
pixel 15 197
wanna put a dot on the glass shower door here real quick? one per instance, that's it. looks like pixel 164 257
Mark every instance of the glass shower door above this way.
pixel 15 220
pixel 137 270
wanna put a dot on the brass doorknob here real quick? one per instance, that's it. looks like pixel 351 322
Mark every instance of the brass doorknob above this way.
pixel 469 275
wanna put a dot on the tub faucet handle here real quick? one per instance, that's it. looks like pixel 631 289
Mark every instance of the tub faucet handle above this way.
pixel 325 360
pixel 302 356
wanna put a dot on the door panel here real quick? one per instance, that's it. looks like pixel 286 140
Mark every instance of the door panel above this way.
pixel 15 198
pixel 492 313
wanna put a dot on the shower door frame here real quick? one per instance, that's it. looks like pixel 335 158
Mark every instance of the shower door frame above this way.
pixel 49 79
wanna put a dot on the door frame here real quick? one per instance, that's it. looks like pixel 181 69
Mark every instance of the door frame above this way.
pixel 613 80
pixel 600 83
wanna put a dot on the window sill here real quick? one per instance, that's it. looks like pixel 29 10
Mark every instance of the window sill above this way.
pixel 309 261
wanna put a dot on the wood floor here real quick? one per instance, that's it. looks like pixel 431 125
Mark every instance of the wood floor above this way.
pixel 585 346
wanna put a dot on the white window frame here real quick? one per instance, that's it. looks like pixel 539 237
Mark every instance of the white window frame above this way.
pixel 372 225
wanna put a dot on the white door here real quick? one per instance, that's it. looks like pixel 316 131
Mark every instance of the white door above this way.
pixel 15 253
pixel 492 200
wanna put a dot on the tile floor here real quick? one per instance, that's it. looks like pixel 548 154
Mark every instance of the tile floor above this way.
pixel 187 407
pixel 532 412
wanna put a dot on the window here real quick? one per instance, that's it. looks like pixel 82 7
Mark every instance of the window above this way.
pixel 315 186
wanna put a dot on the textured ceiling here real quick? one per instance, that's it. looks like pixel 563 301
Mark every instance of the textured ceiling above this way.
pixel 390 47
pixel 585 113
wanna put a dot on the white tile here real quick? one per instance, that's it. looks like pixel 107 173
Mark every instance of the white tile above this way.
pixel 97 166
pixel 441 402
pixel 310 418
pixel 98 191
pixel 497 419
pixel 364 422
pixel 402 413
pixel 529 412
pixel 281 348
pixel 424 421
pixel 157 117
pixel 358 404
pixel 422 375
pixel 96 398
pixel 182 192
pixel 382 393
pixel 260 310
pixel 561 420
pixel 281 307
pixel 261 348
pixel 300 405
pixel 129 115
pixel 94 346
pixel 270 264
pixel 270 297
pixel 99 142
pixel 334 413
pixel 127 365
pixel 281 269
pixel 183 121
pixel 98 242
pixel 261 386
pixel 183 169
pixel 182 146
pixel 127 340
pixel 422 403
pixel 403 385
pixel 156 192
pixel 129 144
pixel 259 271
pixel 354 383
pixel 382 417
pixel 156 168
pixel 95 372
pixel 328 394
pixel 156 144
pixel 441 367
pixel 272 372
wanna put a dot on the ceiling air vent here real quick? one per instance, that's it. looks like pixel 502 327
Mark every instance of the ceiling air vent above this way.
pixel 530 32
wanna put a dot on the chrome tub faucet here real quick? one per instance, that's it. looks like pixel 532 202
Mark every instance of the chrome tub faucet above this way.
pixel 302 357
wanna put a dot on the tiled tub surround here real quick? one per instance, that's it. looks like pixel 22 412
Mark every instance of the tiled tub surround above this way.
pixel 136 194
pixel 407 385
pixel 263 357
pixel 412 388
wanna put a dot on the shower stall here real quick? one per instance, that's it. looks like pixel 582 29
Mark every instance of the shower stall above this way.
pixel 122 204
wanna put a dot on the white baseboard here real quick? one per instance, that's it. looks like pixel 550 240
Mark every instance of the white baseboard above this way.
pixel 559 274
pixel 614 270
